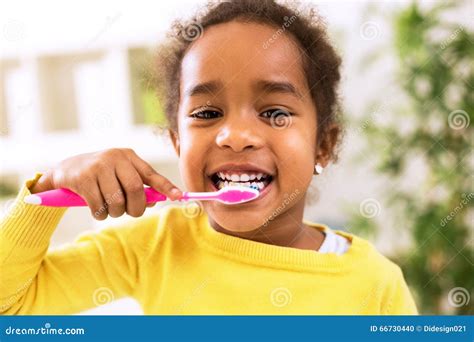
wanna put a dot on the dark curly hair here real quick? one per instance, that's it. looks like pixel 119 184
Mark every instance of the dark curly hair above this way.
pixel 321 63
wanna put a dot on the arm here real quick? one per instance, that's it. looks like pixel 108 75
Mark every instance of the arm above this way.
pixel 96 268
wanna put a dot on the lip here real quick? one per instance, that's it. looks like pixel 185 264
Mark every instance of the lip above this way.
pixel 240 168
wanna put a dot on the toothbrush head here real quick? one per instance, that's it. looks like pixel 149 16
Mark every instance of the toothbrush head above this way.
pixel 237 194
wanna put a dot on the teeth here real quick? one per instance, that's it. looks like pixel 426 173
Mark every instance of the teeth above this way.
pixel 256 185
pixel 244 177
pixel 255 180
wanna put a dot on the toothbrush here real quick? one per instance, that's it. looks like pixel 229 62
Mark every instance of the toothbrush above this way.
pixel 67 198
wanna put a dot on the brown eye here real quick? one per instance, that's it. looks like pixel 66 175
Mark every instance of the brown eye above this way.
pixel 206 114
pixel 275 113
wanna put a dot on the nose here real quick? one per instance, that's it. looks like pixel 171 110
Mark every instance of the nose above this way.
pixel 239 133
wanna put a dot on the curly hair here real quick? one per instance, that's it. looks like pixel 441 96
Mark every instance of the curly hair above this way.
pixel 321 63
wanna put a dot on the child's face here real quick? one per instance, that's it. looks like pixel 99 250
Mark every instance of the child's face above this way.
pixel 234 85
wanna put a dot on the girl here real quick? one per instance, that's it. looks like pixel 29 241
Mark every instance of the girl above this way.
pixel 250 92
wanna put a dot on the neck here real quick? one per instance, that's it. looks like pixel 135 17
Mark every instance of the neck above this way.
pixel 287 230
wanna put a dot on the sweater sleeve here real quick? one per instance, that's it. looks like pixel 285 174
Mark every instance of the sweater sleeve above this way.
pixel 96 268
pixel 400 301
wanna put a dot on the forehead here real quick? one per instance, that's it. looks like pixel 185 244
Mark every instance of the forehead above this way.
pixel 237 52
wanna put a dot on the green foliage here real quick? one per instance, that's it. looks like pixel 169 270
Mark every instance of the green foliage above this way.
pixel 152 108
pixel 7 190
pixel 436 76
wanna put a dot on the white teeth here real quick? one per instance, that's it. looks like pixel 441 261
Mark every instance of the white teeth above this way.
pixel 257 185
pixel 244 177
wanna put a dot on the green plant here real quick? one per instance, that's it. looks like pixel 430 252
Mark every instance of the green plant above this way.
pixel 432 129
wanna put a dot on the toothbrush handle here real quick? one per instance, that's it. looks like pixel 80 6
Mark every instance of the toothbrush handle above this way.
pixel 67 198
pixel 200 196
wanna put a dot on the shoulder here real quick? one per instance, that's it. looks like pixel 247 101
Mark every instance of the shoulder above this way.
pixel 383 276
pixel 369 259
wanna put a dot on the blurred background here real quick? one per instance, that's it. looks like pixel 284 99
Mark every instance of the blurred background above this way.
pixel 75 78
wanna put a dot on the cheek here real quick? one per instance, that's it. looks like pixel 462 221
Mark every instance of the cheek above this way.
pixel 193 149
pixel 296 162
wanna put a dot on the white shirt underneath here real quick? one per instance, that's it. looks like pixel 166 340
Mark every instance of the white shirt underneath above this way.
pixel 334 243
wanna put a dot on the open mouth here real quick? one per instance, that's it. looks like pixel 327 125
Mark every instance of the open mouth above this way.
pixel 255 180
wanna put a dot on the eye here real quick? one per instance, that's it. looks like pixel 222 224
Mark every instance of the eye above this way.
pixel 275 113
pixel 205 114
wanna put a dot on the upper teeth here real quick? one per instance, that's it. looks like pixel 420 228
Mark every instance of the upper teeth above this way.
pixel 244 177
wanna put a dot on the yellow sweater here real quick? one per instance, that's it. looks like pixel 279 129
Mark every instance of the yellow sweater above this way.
pixel 176 263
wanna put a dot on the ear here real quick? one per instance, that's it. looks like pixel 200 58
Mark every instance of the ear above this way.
pixel 327 144
pixel 175 140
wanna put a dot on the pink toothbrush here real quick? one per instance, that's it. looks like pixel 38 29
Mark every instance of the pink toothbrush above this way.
pixel 68 198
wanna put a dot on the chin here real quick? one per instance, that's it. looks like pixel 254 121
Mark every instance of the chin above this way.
pixel 236 219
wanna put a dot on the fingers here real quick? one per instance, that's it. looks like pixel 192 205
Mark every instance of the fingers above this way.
pixel 91 193
pixel 132 185
pixel 113 193
pixel 152 178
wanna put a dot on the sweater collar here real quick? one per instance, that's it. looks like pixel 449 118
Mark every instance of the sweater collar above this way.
pixel 277 256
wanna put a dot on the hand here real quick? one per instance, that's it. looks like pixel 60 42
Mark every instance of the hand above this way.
pixel 110 181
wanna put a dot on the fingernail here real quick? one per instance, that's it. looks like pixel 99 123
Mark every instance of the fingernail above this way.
pixel 176 193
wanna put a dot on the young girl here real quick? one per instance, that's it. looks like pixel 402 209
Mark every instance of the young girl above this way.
pixel 251 98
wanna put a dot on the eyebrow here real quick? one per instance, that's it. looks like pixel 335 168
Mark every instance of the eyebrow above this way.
pixel 213 87
pixel 278 87
pixel 204 88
